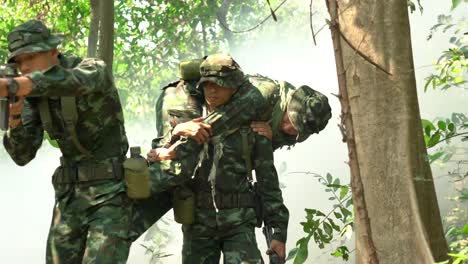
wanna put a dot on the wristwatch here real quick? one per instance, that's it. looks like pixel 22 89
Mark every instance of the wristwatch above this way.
pixel 12 86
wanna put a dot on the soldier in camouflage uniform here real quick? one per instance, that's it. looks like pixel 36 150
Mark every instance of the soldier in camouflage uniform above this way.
pixel 225 215
pixel 294 114
pixel 75 101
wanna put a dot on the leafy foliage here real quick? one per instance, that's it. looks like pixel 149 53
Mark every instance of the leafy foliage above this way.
pixel 151 37
pixel 323 228
pixel 452 66
pixel 443 130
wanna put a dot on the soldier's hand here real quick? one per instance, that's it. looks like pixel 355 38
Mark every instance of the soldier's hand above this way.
pixel 194 129
pixel 279 248
pixel 262 128
pixel 159 154
pixel 15 112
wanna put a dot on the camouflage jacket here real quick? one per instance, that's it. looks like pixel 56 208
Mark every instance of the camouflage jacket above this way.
pixel 260 98
pixel 100 124
pixel 227 172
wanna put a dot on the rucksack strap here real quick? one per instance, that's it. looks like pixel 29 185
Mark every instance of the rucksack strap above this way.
pixel 70 117
pixel 46 119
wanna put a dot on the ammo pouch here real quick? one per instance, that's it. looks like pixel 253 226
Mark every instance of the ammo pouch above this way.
pixel 137 178
pixel 110 169
pixel 226 200
pixel 183 202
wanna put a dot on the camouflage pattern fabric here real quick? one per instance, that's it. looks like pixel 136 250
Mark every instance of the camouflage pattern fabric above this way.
pixel 29 37
pixel 102 132
pixel 308 111
pixel 227 225
pixel 89 226
pixel 221 69
pixel 238 246
pixel 91 219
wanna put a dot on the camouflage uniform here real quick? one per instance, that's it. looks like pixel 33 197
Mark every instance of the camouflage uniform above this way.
pixel 258 98
pixel 92 213
pixel 225 201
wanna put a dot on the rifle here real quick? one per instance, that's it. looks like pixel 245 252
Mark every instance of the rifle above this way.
pixel 268 231
pixel 6 71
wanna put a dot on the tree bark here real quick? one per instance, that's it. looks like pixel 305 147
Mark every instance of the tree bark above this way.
pixel 94 28
pixel 106 32
pixel 369 253
pixel 399 190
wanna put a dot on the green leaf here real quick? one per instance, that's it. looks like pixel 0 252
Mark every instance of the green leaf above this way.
pixel 335 226
pixel 337 215
pixel 292 253
pixel 442 125
pixel 302 251
pixel 336 181
pixel 455 3
pixel 329 178
pixel 465 229
pixel 319 213
pixel 328 228
pixel 458 80
pixel 434 139
pixel 451 127
pixel 427 126
pixel 343 192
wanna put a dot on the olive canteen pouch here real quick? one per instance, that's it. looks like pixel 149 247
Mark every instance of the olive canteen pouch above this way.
pixel 137 175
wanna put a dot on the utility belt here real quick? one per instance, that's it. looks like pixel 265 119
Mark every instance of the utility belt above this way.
pixel 225 200
pixel 77 173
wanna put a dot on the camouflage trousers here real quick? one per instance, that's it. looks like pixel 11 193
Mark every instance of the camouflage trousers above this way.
pixel 90 224
pixel 149 211
pixel 238 246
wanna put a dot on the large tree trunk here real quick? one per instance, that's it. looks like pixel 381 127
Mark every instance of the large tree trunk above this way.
pixel 94 28
pixel 400 198
pixel 106 33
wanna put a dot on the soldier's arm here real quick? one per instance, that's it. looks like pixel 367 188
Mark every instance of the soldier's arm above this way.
pixel 90 75
pixel 249 103
pixel 23 141
pixel 275 213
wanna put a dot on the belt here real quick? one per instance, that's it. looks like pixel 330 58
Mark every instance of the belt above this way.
pixel 104 170
pixel 225 200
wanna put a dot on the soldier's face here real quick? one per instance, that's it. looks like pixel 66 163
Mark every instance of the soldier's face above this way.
pixel 286 126
pixel 36 61
pixel 216 95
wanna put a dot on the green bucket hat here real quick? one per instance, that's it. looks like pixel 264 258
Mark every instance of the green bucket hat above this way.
pixel 222 70
pixel 308 111
pixel 29 37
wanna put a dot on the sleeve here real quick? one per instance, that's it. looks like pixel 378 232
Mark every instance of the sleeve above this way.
pixel 171 173
pixel 88 76
pixel 249 103
pixel 22 142
pixel 275 213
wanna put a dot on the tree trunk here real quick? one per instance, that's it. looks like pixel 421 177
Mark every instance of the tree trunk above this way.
pixel 399 190
pixel 106 36
pixel 94 28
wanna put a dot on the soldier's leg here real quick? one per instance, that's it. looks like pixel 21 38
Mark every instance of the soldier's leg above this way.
pixel 200 250
pixel 108 240
pixel 241 248
pixel 149 211
pixel 67 236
